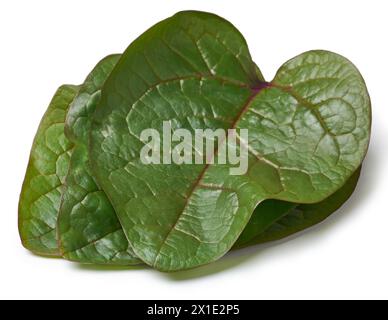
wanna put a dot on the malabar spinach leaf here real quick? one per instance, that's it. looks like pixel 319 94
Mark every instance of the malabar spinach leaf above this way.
pixel 308 133
pixel 46 172
pixel 89 230
pixel 289 218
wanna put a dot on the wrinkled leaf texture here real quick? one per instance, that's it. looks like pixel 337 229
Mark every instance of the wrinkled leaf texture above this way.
pixel 191 215
pixel 309 130
pixel 88 228
pixel 78 219
pixel 46 172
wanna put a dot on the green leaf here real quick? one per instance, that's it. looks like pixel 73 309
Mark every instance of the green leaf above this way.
pixel 46 172
pixel 89 231
pixel 266 213
pixel 287 218
pixel 308 133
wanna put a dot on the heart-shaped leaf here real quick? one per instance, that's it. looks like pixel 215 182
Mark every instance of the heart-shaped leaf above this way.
pixel 89 230
pixel 100 221
pixel 308 133
pixel 47 168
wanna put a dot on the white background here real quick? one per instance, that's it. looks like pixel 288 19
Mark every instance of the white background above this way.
pixel 44 44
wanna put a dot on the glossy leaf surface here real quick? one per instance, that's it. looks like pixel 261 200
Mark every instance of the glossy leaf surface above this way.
pixel 42 188
pixel 288 218
pixel 89 230
pixel 308 133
